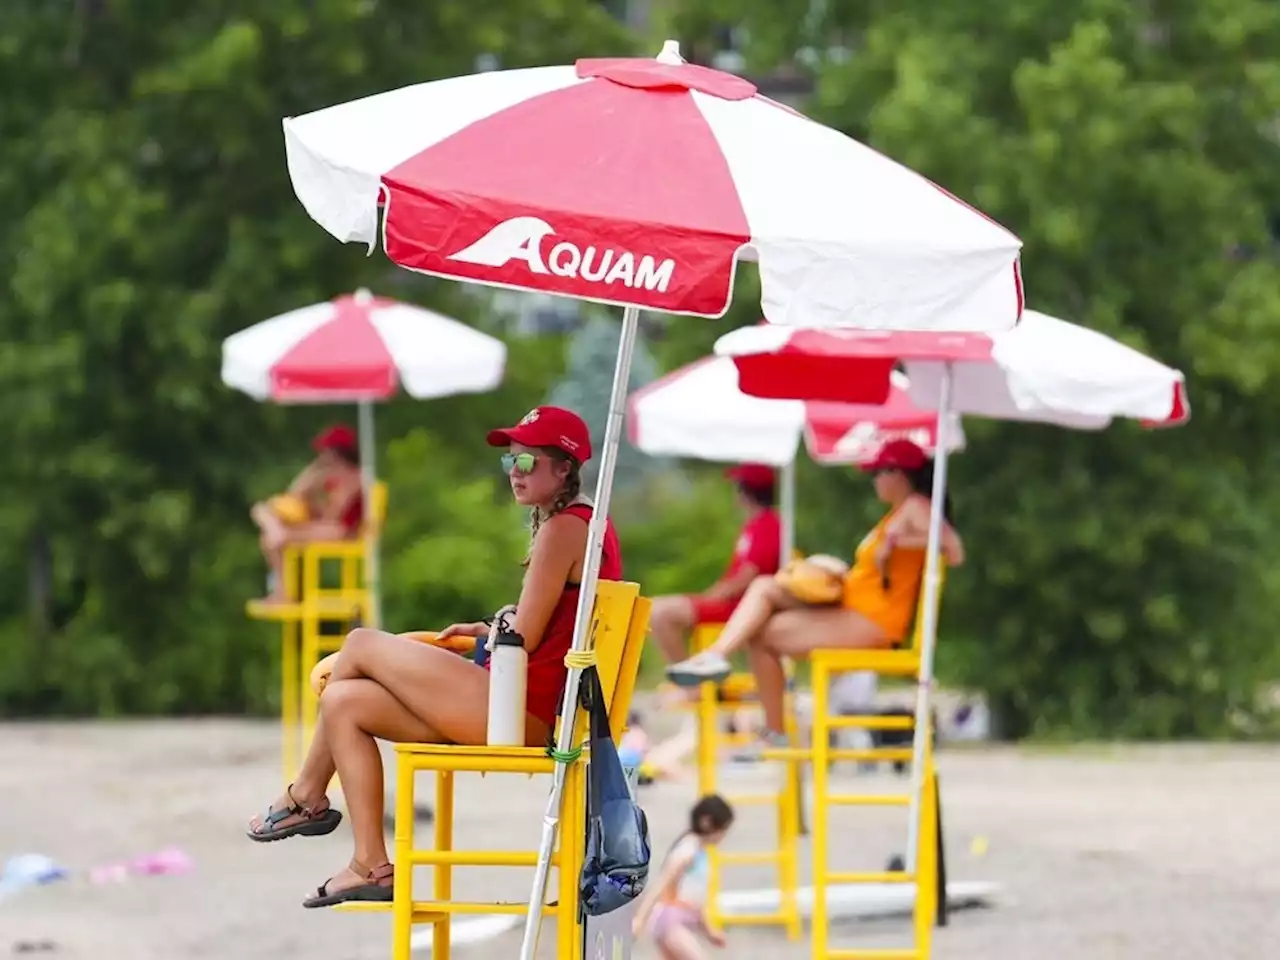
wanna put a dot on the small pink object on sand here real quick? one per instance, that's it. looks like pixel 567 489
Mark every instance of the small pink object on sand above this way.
pixel 168 861
pixel 171 860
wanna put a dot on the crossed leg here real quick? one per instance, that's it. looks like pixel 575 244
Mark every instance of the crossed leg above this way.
pixel 383 687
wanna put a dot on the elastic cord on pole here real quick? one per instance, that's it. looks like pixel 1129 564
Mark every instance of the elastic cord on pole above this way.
pixel 574 660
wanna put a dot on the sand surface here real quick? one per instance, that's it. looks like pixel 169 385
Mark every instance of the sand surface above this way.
pixel 1126 853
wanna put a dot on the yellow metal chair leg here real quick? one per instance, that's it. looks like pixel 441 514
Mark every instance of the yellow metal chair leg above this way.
pixel 789 814
pixel 821 772
pixel 926 906
pixel 310 655
pixel 402 847
pixel 708 750
pixel 442 891
pixel 573 827
pixel 290 748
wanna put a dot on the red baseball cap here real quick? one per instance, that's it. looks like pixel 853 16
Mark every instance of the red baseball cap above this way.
pixel 896 455
pixel 553 427
pixel 339 437
pixel 757 476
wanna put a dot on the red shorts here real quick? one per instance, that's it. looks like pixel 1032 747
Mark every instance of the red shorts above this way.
pixel 712 611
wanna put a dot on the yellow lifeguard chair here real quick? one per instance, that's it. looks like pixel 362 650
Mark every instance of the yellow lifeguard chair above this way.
pixel 619 623
pixel 317 616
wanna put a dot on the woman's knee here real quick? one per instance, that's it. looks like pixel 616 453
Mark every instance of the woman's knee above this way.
pixel 356 650
pixel 340 701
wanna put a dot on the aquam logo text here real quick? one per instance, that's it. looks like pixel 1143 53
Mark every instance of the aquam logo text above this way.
pixel 521 238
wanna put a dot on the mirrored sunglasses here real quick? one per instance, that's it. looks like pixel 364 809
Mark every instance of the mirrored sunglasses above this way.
pixel 518 462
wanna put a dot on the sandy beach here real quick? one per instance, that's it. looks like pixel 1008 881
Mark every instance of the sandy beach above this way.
pixel 1102 852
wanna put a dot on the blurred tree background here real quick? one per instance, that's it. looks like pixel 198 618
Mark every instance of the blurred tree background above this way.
pixel 1120 584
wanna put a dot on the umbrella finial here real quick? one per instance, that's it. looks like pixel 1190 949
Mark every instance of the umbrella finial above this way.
pixel 362 296
pixel 670 52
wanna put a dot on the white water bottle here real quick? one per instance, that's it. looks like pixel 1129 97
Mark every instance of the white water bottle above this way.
pixel 508 678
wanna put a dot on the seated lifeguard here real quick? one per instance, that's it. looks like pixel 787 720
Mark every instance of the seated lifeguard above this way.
pixel 756 552
pixel 872 605
pixel 323 503
pixel 388 687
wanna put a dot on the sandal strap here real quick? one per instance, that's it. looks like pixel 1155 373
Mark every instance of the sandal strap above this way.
pixel 375 875
pixel 307 813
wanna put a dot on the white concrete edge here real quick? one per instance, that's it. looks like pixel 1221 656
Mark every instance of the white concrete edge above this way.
pixel 845 902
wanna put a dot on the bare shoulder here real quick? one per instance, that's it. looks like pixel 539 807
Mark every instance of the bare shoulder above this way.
pixel 915 512
pixel 564 531
pixel 685 851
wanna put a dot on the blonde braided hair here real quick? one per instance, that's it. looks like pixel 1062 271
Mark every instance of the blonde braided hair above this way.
pixel 567 495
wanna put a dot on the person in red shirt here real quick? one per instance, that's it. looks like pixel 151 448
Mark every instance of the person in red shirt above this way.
pixel 757 552
pixel 388 687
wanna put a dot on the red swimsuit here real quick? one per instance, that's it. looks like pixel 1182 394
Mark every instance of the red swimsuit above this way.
pixel 547 672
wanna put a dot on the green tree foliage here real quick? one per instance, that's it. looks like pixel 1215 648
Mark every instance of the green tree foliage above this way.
pixel 1120 583
pixel 146 214
pixel 587 386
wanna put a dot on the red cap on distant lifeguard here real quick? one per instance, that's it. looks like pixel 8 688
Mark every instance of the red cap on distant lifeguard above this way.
pixel 896 455
pixel 337 437
pixel 757 476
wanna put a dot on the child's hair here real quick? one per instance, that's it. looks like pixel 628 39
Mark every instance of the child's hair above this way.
pixel 710 815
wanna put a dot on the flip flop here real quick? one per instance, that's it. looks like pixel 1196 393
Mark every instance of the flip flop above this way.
pixel 314 823
pixel 375 891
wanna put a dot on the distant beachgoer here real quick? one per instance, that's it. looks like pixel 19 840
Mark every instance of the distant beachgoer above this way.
pixel 673 908
pixel 323 503
pixel 756 552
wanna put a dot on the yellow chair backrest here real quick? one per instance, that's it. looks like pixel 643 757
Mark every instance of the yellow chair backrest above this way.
pixel 618 627
pixel 376 515
pixel 917 629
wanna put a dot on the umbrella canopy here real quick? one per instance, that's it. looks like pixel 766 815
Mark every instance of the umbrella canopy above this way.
pixel 699 411
pixel 361 347
pixel 641 183
pixel 1045 370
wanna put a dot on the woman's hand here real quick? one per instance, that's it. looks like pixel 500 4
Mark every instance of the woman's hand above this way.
pixel 479 629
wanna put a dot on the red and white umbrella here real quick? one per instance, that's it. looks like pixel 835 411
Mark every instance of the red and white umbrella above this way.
pixel 358 348
pixel 698 411
pixel 641 183
pixel 854 433
pixel 1045 370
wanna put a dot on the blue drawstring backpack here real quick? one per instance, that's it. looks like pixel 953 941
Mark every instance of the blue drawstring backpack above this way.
pixel 616 865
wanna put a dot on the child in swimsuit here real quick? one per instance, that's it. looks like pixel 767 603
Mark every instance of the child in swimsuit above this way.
pixel 673 909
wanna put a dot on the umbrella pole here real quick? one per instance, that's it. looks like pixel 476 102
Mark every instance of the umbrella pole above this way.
pixel 368 453
pixel 787 494
pixel 929 615
pixel 586 602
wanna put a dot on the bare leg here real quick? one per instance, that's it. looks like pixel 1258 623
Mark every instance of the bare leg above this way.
pixel 307 792
pixel 444 691
pixel 771 684
pixel 271 542
pixel 681 943
pixel 764 598
pixel 669 625
pixel 356 714
pixel 796 634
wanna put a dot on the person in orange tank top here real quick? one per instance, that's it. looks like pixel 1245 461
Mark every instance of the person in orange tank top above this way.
pixel 878 602
pixel 389 687
pixel 330 486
